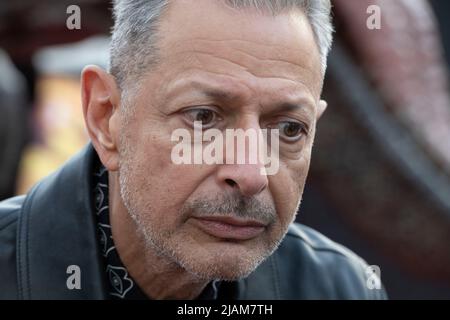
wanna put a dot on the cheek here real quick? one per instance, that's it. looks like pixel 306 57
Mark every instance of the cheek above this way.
pixel 287 187
pixel 158 182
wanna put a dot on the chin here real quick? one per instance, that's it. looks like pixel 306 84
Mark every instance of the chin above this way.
pixel 228 261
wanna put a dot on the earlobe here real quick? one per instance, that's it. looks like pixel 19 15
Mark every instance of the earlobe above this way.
pixel 100 98
pixel 321 107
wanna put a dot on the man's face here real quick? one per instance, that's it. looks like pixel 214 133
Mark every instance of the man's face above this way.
pixel 231 70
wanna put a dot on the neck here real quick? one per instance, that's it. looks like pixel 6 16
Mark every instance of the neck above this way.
pixel 156 275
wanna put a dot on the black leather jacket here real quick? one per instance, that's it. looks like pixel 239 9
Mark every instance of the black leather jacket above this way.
pixel 53 227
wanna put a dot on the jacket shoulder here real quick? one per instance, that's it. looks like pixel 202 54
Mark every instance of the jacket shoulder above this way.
pixel 9 210
pixel 9 215
pixel 329 269
pixel 308 265
pixel 315 241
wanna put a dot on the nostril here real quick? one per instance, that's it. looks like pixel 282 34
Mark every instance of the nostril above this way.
pixel 230 182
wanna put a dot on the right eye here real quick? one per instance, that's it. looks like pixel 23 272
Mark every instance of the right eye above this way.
pixel 207 117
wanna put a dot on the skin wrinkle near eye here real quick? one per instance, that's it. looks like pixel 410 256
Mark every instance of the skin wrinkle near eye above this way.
pixel 281 111
pixel 178 90
pixel 267 116
pixel 291 152
pixel 278 119
pixel 192 87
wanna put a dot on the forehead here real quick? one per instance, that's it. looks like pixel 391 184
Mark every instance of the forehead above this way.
pixel 210 36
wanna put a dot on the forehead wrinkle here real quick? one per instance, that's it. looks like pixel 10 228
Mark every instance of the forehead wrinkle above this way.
pixel 280 48
pixel 255 75
pixel 212 86
pixel 240 45
pixel 275 54
pixel 255 66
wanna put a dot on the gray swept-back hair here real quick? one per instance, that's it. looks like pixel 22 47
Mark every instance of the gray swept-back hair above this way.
pixel 134 48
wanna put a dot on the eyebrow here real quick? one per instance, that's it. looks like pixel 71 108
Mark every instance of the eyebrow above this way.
pixel 288 106
pixel 210 91
pixel 218 94
pixel 275 107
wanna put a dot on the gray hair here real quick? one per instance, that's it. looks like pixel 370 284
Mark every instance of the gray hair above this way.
pixel 134 37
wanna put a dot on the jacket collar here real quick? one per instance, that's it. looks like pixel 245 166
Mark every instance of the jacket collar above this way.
pixel 57 230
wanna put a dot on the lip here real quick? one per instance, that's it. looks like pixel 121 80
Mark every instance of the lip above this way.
pixel 230 228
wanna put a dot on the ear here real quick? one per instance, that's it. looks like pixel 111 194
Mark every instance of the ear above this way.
pixel 101 100
pixel 321 107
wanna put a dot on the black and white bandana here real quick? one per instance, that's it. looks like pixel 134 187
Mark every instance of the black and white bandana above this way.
pixel 120 284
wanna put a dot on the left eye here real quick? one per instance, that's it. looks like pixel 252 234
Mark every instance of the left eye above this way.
pixel 291 130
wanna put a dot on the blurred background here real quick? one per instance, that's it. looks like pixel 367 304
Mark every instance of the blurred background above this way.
pixel 380 173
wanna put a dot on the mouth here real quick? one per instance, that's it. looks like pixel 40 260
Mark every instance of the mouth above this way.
pixel 230 228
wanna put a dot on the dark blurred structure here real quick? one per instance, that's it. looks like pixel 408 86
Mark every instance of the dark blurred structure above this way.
pixel 12 126
pixel 442 9
pixel 380 173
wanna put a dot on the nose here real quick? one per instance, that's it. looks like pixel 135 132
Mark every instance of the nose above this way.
pixel 249 176
pixel 246 178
